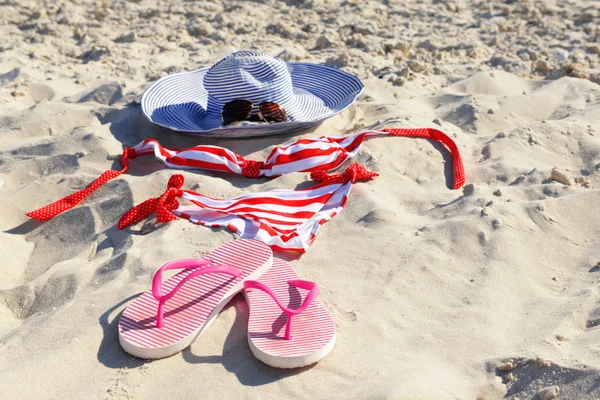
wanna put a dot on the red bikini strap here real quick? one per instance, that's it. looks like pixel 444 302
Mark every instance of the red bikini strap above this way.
pixel 70 201
pixel 434 134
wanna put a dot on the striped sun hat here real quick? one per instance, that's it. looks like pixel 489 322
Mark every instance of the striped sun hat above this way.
pixel 192 101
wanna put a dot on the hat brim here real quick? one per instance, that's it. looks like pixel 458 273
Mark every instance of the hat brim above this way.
pixel 179 102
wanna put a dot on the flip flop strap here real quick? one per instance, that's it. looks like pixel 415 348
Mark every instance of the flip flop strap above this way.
pixel 313 293
pixel 184 264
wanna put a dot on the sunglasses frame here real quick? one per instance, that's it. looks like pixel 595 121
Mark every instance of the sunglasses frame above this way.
pixel 261 113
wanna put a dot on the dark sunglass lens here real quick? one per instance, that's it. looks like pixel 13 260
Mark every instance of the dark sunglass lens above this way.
pixel 236 110
pixel 272 112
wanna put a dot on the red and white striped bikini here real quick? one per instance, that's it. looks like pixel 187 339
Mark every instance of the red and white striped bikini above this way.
pixel 284 219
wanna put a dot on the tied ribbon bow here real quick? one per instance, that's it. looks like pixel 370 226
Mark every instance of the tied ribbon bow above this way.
pixel 66 203
pixel 353 173
pixel 162 205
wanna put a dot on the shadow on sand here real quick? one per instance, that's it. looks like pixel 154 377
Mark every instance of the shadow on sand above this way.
pixel 236 358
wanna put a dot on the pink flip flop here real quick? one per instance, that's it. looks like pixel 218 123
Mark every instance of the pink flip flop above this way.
pixel 165 320
pixel 287 327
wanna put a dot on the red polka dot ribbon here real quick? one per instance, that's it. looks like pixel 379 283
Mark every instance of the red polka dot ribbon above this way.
pixel 66 203
pixel 434 134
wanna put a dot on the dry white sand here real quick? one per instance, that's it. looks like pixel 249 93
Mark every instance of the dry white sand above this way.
pixel 429 294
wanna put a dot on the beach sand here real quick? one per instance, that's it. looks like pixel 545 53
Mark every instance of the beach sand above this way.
pixel 486 292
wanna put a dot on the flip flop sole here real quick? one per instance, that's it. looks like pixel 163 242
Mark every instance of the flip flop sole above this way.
pixel 193 308
pixel 313 331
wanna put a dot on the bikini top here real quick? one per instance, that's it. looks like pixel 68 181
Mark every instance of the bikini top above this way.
pixel 314 155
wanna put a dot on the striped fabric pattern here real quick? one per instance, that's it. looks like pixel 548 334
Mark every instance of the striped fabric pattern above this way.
pixel 286 220
pixel 311 331
pixel 192 101
pixel 188 310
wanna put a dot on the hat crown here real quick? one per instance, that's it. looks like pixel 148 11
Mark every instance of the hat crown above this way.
pixel 246 75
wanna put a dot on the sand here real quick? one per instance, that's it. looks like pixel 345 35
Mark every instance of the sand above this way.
pixel 486 292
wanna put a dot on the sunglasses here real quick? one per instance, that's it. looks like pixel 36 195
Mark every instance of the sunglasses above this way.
pixel 241 110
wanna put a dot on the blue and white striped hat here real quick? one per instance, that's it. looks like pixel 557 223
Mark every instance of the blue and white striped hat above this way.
pixel 192 101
